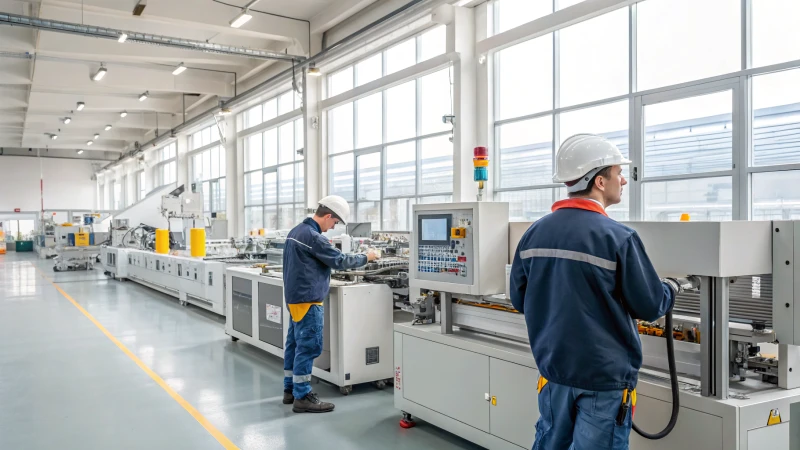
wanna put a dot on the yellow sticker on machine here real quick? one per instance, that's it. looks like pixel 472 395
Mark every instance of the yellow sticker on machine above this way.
pixel 774 417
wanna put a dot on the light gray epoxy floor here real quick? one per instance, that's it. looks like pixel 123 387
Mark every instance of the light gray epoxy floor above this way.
pixel 63 384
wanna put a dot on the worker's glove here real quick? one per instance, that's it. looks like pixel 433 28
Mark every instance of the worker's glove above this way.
pixel 373 254
pixel 681 285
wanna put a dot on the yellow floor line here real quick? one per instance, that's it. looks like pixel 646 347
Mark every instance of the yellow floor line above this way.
pixel 221 438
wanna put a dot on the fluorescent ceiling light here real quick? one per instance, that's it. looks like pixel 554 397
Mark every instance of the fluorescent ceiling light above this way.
pixel 54 136
pixel 81 105
pixel 179 70
pixel 122 38
pixel 123 114
pixel 108 127
pixel 462 2
pixel 101 72
pixel 144 96
pixel 241 19
pixel 96 136
pixel 89 142
pixel 80 152
pixel 67 120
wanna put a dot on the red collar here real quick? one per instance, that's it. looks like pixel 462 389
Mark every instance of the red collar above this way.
pixel 579 203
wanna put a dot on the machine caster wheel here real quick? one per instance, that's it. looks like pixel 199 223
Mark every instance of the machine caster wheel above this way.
pixel 234 339
pixel 407 421
pixel 346 390
pixel 380 385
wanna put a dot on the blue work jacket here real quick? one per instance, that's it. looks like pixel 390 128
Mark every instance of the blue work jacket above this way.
pixel 581 278
pixel 308 258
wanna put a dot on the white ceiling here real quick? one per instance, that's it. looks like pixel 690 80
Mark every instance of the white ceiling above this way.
pixel 39 89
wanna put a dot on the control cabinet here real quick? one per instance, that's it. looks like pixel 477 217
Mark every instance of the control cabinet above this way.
pixel 460 247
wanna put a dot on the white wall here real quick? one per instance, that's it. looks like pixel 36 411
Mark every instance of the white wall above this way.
pixel 67 184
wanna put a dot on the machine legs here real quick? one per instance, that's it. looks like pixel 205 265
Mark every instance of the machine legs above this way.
pixel 407 421
pixel 234 339
pixel 345 390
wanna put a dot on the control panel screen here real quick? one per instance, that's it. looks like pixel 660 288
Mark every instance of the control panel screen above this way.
pixel 435 229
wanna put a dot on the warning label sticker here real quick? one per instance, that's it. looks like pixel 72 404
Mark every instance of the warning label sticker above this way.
pixel 274 313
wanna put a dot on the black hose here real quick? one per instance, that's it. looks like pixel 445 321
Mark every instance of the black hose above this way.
pixel 673 381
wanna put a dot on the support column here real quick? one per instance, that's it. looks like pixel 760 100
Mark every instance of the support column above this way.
pixel 315 184
pixel 714 346
pixel 233 180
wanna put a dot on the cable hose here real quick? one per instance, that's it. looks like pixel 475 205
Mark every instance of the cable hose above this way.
pixel 673 381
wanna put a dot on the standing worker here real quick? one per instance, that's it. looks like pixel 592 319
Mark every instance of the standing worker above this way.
pixel 581 278
pixel 308 258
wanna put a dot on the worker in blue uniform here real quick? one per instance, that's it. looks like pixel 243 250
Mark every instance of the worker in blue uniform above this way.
pixel 308 258
pixel 581 279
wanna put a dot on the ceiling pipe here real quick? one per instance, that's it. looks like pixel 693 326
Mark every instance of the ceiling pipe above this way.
pixel 142 38
pixel 281 77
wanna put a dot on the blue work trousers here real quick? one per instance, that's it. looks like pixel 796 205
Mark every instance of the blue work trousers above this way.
pixel 303 345
pixel 575 419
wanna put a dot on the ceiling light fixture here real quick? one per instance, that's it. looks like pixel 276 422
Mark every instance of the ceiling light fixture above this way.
pixel 313 71
pixel 80 152
pixel 108 127
pixel 53 136
pixel 101 72
pixel 81 105
pixel 96 136
pixel 241 19
pixel 122 38
pixel 89 142
pixel 123 114
pixel 139 8
pixel 179 70
pixel 67 120
pixel 144 96
pixel 225 112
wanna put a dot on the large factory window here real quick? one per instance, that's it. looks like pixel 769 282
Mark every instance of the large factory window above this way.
pixel 282 104
pixel 166 170
pixel 141 187
pixel 774 29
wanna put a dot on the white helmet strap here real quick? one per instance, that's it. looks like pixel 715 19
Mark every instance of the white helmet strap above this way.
pixel 583 183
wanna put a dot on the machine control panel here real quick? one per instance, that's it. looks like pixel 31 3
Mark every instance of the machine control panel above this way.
pixel 444 247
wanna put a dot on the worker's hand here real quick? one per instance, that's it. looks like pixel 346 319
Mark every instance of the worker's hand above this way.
pixel 373 254
pixel 681 285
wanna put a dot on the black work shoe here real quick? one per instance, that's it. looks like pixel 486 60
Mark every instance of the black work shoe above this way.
pixel 288 398
pixel 311 403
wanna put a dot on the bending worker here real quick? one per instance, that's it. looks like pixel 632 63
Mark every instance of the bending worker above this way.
pixel 581 278
pixel 308 258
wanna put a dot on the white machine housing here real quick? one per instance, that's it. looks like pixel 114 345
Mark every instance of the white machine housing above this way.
pixel 472 265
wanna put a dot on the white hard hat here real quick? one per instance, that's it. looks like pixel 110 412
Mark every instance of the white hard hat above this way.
pixel 338 205
pixel 580 158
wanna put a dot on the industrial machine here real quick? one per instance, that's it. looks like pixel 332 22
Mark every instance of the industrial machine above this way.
pixel 77 245
pixel 735 347
pixel 359 313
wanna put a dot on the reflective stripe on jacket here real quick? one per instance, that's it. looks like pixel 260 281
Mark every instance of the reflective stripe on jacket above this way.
pixel 581 278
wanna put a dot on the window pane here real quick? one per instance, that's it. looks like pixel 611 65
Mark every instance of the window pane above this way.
pixel 513 13
pixel 435 102
pixel 436 170
pixel 340 128
pixel 524 76
pixel 286 133
pixel 397 214
pixel 776 118
pixel 253 194
pixel 253 219
pixel 691 135
pixel 610 121
pixel 299 138
pixel 342 174
pixel 526 152
pixel 776 195
pixel 271 109
pixel 369 69
pixel 270 188
pixel 527 206
pixel 220 204
pixel 299 213
pixel 401 121
pixel 299 182
pixel 369 212
pixel 704 199
pixel 206 136
pixel 774 28
pixel 685 40
pixel 432 43
pixel 214 133
pixel 207 172
pixel 286 217
pixel 599 42
pixel 401 56
pixel 286 103
pixel 369 177
pixel 435 199
pixel 567 3
pixel 341 81
pixel 286 184
pixel 197 167
pixel 401 170
pixel 271 217
pixel 369 120
pixel 223 164
pixel 254 152
pixel 271 147
pixel 206 196
pixel 253 116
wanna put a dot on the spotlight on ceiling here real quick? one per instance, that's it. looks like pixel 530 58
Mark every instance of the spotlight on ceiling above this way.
pixel 81 105
pixel 101 72
pixel 123 114
pixel 313 71
pixel 67 120
pixel 144 96
pixel 89 142
pixel 96 136
pixel 108 127
pixel 122 38
pixel 53 136
pixel 179 70
pixel 139 8
pixel 240 19
pixel 225 112
pixel 80 152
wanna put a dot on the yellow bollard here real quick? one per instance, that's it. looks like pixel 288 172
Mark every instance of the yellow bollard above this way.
pixel 162 241
pixel 197 241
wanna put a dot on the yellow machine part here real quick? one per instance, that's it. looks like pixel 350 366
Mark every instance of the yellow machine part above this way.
pixel 457 233
pixel 81 239
pixel 197 242
pixel 162 241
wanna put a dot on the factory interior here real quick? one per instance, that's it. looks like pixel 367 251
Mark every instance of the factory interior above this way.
pixel 193 192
